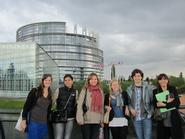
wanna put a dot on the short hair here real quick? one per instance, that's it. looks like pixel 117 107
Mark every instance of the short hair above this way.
pixel 69 76
pixel 137 71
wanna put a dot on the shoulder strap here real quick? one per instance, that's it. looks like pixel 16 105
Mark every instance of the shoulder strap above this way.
pixel 67 101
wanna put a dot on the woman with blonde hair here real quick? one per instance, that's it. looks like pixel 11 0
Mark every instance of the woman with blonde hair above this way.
pixel 92 97
pixel 117 103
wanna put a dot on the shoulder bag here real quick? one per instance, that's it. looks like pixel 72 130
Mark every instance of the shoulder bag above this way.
pixel 59 116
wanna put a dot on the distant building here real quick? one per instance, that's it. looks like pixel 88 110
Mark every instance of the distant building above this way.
pixel 76 54
pixel 22 66
pixel 113 72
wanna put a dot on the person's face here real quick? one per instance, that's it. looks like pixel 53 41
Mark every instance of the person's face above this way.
pixel 93 81
pixel 68 82
pixel 163 82
pixel 137 78
pixel 47 82
pixel 115 86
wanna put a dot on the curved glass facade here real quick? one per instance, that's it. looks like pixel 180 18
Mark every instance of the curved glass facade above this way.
pixel 22 66
pixel 75 54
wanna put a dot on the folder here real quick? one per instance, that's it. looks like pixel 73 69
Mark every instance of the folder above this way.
pixel 162 96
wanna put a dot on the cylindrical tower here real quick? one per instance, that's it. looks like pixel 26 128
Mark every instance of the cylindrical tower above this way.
pixel 75 54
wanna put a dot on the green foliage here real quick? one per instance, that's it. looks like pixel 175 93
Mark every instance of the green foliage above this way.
pixel 176 81
pixel 79 85
pixel 105 86
pixel 125 84
pixel 6 103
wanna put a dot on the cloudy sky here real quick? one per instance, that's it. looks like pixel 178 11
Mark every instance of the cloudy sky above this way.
pixel 144 34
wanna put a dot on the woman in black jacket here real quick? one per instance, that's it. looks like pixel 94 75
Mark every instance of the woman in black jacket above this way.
pixel 117 103
pixel 169 122
pixel 36 109
pixel 65 97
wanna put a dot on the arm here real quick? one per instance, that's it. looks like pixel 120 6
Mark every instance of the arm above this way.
pixel 79 114
pixel 27 106
pixel 125 100
pixel 173 102
pixel 55 96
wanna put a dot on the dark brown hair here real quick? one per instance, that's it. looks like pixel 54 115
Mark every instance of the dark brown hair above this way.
pixel 68 75
pixel 137 71
pixel 41 86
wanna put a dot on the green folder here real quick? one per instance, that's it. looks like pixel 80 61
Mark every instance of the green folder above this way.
pixel 162 97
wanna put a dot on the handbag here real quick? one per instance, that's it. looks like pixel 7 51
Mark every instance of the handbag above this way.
pixel 182 116
pixel 84 106
pixel 106 115
pixel 59 116
pixel 18 124
pixel 159 115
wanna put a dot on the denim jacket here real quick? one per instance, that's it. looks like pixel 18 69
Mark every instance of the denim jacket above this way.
pixel 147 97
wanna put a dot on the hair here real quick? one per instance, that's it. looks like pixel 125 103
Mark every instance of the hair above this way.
pixel 41 86
pixel 110 86
pixel 137 71
pixel 87 83
pixel 69 76
pixel 162 76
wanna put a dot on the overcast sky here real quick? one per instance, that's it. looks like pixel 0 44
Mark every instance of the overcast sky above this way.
pixel 145 34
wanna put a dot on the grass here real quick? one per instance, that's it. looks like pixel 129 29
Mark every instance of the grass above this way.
pixel 6 103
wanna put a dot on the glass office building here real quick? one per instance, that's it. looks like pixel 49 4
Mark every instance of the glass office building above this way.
pixel 74 53
pixel 22 66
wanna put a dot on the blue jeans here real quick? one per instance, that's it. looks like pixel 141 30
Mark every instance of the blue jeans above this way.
pixel 63 130
pixel 37 130
pixel 143 128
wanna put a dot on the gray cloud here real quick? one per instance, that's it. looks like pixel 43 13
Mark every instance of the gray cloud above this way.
pixel 143 34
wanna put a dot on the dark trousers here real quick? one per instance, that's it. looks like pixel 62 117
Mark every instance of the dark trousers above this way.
pixel 2 136
pixel 90 131
pixel 119 132
pixel 106 131
pixel 167 132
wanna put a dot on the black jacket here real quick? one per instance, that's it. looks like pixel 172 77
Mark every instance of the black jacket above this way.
pixel 175 118
pixel 31 101
pixel 63 96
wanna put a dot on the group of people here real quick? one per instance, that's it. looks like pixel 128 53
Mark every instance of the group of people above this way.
pixel 138 103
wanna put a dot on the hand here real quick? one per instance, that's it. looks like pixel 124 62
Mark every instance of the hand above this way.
pixel 102 124
pixel 170 99
pixel 127 113
pixel 133 112
pixel 23 125
pixel 81 123
pixel 160 104
pixel 108 108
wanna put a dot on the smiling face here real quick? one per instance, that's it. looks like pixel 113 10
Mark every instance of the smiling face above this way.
pixel 115 86
pixel 47 82
pixel 68 82
pixel 137 78
pixel 163 82
pixel 93 81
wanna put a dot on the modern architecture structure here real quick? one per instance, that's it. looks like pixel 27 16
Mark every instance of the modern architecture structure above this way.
pixel 76 54
pixel 22 66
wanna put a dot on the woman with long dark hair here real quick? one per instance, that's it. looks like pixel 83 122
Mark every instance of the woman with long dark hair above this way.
pixel 36 109
pixel 169 122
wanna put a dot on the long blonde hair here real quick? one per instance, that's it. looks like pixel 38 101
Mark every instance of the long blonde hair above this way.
pixel 110 86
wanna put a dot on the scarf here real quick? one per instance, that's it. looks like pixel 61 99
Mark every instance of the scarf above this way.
pixel 119 99
pixel 96 99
